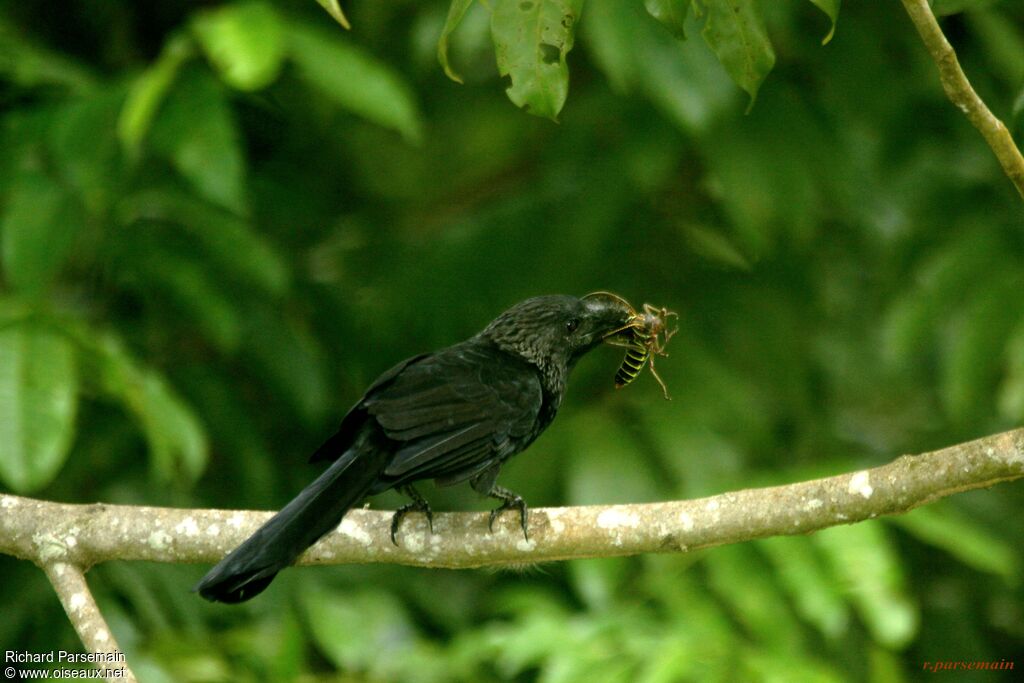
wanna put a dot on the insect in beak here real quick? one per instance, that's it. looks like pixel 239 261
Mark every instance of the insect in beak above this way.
pixel 644 336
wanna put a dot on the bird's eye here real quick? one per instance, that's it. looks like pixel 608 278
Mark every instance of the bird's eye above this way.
pixel 571 326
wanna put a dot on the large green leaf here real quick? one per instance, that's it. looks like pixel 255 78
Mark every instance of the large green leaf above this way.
pixel 244 41
pixel 736 32
pixel 531 41
pixel 38 227
pixel 38 397
pixel 196 130
pixel 354 79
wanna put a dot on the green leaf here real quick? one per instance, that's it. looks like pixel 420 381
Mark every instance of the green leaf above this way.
pixel 810 586
pixel 176 438
pixel 84 146
pixel 942 526
pixel 531 41
pixel 671 14
pixel 1003 41
pixel 939 288
pixel 868 568
pixel 456 11
pixel 244 41
pixel 188 286
pixel 229 242
pixel 946 7
pixel 736 32
pixel 682 79
pixel 147 93
pixel 195 129
pixel 333 8
pixel 831 8
pixel 1011 392
pixel 603 471
pixel 27 63
pixel 354 79
pixel 974 344
pixel 38 398
pixel 287 357
pixel 38 228
pixel 713 245
pixel 372 620
pixel 737 577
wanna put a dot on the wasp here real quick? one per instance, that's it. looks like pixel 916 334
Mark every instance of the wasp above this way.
pixel 645 335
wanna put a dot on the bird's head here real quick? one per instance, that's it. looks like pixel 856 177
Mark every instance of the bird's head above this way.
pixel 553 332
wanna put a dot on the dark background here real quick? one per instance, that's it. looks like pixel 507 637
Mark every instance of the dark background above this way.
pixel 202 270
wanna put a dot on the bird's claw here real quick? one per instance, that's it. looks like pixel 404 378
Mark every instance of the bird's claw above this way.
pixel 513 502
pixel 418 505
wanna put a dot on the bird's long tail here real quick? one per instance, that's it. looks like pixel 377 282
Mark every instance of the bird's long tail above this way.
pixel 249 568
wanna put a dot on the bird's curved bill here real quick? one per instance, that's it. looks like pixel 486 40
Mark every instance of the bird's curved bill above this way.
pixel 622 316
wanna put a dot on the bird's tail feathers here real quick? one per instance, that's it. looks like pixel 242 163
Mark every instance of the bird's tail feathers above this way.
pixel 249 568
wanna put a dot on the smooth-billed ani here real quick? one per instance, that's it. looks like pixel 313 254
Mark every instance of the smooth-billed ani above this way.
pixel 454 415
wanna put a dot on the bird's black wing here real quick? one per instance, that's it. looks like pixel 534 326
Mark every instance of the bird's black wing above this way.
pixel 342 439
pixel 455 413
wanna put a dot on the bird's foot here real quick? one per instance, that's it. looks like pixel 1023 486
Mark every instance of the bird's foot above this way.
pixel 418 504
pixel 509 501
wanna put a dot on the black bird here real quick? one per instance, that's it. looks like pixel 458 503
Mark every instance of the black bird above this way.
pixel 454 415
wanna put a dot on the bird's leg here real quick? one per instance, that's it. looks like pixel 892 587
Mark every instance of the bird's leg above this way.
pixel 419 503
pixel 509 500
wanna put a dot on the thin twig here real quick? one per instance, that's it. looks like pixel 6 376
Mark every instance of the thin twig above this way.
pixel 960 92
pixel 69 583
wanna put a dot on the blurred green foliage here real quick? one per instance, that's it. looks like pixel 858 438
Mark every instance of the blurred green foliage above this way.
pixel 219 222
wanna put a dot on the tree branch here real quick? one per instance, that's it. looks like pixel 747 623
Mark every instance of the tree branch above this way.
pixel 69 583
pixel 960 92
pixel 64 538
pixel 83 535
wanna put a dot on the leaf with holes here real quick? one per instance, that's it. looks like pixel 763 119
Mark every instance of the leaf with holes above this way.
pixel 531 41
